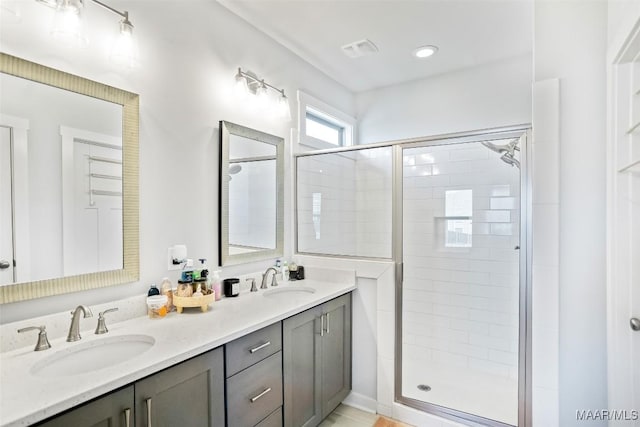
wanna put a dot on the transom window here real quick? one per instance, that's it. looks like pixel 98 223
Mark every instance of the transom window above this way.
pixel 323 126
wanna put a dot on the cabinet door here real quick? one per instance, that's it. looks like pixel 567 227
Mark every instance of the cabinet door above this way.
pixel 112 410
pixel 301 364
pixel 190 394
pixel 336 353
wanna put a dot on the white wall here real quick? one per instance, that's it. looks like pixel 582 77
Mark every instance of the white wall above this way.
pixel 570 43
pixel 190 51
pixel 492 95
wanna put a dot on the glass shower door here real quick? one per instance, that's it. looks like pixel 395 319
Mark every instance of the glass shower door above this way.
pixel 461 283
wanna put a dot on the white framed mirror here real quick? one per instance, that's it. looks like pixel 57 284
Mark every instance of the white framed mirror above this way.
pixel 69 178
pixel 251 217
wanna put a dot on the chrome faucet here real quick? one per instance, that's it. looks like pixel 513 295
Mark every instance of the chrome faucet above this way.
pixel 265 275
pixel 43 342
pixel 74 329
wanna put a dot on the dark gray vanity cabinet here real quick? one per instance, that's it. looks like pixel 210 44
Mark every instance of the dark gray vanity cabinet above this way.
pixel 112 410
pixel 316 347
pixel 254 379
pixel 190 394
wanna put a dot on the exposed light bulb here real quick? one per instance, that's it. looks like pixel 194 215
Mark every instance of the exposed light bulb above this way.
pixel 125 49
pixel 283 110
pixel 262 97
pixel 241 87
pixel 67 23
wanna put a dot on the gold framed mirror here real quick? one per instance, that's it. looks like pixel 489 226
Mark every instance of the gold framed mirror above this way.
pixel 74 269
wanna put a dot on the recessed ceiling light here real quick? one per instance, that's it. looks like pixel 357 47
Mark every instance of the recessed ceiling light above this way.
pixel 425 51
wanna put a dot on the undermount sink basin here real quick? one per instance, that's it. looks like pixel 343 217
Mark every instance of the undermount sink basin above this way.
pixel 93 355
pixel 289 290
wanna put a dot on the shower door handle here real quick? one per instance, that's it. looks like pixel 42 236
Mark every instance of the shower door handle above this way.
pixel 4 264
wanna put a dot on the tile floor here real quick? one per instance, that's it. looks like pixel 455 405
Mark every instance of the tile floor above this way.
pixel 346 416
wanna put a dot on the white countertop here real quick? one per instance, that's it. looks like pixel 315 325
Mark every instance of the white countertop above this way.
pixel 26 398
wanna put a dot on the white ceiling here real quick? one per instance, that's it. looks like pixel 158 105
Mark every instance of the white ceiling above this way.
pixel 468 33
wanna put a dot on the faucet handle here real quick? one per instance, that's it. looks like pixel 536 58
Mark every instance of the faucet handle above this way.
pixel 274 279
pixel 254 288
pixel 43 342
pixel 101 328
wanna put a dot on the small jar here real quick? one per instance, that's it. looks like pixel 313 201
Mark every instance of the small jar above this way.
pixel 231 287
pixel 157 306
pixel 202 283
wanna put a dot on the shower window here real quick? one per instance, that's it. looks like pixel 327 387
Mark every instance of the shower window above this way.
pixel 458 207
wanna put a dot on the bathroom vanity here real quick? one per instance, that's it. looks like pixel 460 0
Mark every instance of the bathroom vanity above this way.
pixel 260 359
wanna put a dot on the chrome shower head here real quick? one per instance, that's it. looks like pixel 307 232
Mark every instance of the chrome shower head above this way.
pixel 507 152
pixel 510 160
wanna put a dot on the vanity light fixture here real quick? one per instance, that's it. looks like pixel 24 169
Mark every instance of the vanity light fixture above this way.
pixel 68 28
pixel 67 23
pixel 247 83
pixel 425 51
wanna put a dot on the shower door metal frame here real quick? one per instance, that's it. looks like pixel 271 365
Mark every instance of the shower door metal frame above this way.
pixel 524 345
pixel 524 333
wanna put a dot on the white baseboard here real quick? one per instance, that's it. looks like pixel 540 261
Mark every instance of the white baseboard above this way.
pixel 362 402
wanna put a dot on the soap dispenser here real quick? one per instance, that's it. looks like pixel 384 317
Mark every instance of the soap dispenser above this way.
pixel 216 284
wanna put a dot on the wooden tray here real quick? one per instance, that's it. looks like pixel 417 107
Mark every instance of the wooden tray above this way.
pixel 202 302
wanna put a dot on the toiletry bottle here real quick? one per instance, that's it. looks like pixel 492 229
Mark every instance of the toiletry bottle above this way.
pixel 204 274
pixel 285 271
pixel 187 271
pixel 216 284
pixel 153 290
pixel 167 290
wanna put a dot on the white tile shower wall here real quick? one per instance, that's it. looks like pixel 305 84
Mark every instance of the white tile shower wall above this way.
pixel 327 204
pixel 345 203
pixel 374 202
pixel 460 304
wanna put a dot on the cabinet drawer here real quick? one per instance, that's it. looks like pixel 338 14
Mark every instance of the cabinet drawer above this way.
pixel 255 392
pixel 273 420
pixel 252 348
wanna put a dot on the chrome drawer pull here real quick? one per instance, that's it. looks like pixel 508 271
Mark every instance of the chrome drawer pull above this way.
pixel 260 347
pixel 253 399
pixel 127 417
pixel 326 318
pixel 148 412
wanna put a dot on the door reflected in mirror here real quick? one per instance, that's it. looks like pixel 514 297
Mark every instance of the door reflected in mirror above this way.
pixel 251 208
pixel 64 216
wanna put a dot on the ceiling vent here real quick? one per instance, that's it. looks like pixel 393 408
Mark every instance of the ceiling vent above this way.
pixel 360 48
